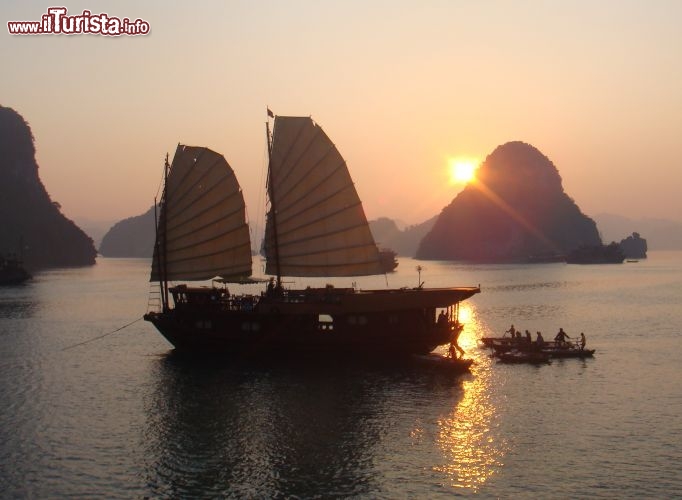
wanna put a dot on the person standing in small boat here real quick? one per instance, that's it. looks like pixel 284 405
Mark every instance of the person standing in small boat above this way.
pixel 583 341
pixel 454 348
pixel 561 337
pixel 511 332
pixel 529 340
pixel 540 341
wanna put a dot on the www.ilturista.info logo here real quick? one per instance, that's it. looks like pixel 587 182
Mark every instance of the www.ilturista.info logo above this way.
pixel 56 22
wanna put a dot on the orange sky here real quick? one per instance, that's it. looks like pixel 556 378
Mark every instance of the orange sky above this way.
pixel 400 87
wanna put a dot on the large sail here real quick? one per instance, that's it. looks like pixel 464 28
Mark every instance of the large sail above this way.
pixel 321 228
pixel 202 230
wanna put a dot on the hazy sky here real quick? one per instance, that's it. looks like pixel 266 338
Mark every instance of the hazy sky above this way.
pixel 400 87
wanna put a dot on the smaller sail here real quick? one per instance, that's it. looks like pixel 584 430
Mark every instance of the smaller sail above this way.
pixel 202 230
pixel 316 225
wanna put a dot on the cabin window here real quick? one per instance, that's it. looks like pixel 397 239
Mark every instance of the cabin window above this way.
pixel 393 319
pixel 357 320
pixel 204 325
pixel 250 326
pixel 325 322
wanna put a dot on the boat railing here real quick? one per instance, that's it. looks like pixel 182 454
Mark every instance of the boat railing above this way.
pixel 244 303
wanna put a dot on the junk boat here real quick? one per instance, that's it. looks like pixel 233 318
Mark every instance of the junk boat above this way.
pixel 315 227
pixel 12 271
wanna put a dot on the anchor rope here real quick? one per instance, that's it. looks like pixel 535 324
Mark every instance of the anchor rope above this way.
pixel 101 336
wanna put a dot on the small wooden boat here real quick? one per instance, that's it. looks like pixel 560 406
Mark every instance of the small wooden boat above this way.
pixel 500 341
pixel 518 357
pixel 570 351
pixel 444 363
pixel 501 345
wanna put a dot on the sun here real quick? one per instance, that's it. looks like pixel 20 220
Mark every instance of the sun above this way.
pixel 462 170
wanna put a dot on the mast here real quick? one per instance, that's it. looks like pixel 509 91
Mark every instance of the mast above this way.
pixel 271 194
pixel 158 253
pixel 163 270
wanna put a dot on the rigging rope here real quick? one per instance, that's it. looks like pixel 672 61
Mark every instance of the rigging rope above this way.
pixel 101 336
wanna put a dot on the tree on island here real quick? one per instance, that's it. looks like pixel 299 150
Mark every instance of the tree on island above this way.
pixel 634 247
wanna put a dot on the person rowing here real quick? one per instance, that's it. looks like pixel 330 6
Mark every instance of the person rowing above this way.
pixel 561 337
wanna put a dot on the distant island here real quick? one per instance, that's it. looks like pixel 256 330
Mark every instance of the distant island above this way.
pixel 33 226
pixel 522 214
pixel 516 210
pixel 634 247
pixel 661 234
pixel 132 237
pixel 403 241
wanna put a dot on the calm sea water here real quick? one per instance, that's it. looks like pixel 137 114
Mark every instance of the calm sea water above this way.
pixel 122 417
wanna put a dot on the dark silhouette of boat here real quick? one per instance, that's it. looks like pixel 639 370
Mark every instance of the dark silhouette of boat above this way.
pixel 12 271
pixel 516 356
pixel 444 364
pixel 504 345
pixel 568 351
pixel 315 227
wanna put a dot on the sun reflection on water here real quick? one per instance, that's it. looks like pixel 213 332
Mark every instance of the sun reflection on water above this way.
pixel 472 450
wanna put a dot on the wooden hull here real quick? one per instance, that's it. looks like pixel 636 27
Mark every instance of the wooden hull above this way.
pixel 444 364
pixel 524 357
pixel 312 321
pixel 571 352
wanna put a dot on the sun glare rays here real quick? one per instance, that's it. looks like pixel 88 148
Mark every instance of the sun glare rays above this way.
pixel 497 200
pixel 462 170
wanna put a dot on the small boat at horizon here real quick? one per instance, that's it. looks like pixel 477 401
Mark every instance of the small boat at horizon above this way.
pixel 315 227
pixel 12 271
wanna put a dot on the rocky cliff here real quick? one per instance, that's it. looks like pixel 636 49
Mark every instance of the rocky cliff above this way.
pixel 132 237
pixel 516 209
pixel 405 242
pixel 32 224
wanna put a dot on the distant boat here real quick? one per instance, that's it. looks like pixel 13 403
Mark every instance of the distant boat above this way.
pixel 12 271
pixel 597 254
pixel 315 227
